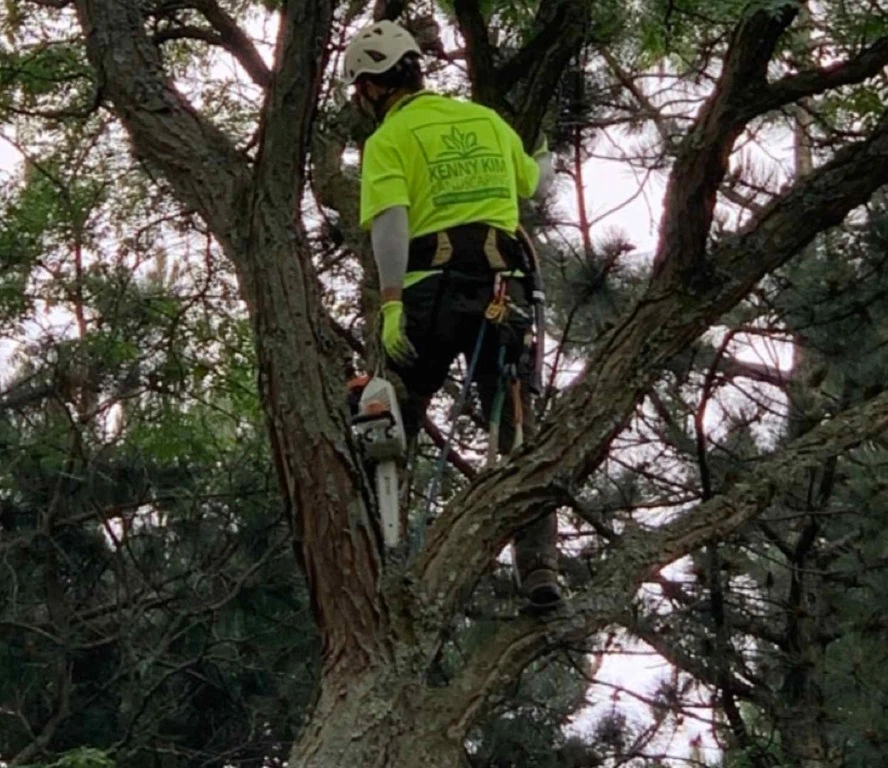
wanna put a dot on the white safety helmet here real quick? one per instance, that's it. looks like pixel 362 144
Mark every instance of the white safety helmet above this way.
pixel 376 49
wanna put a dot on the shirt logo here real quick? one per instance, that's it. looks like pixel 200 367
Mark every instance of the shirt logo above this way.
pixel 464 160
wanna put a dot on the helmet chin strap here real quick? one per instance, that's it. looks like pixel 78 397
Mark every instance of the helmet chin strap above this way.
pixel 377 104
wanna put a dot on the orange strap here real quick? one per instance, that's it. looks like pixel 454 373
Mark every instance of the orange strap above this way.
pixel 496 310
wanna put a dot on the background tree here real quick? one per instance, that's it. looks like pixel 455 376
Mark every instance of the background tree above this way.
pixel 146 560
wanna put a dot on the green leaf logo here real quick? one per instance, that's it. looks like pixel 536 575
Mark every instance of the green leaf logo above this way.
pixel 459 145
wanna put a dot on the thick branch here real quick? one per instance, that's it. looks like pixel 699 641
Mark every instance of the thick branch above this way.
pixel 576 438
pixel 565 31
pixel 791 88
pixel 702 160
pixel 255 217
pixel 560 19
pixel 255 68
pixel 300 363
pixel 197 158
pixel 187 32
pixel 479 52
pixel 642 554
pixel 537 67
pixel 301 55
pixel 235 41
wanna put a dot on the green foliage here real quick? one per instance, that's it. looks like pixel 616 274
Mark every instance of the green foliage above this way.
pixel 148 586
pixel 38 73
pixel 681 33
pixel 39 70
pixel 81 758
pixel 526 727
pixel 513 16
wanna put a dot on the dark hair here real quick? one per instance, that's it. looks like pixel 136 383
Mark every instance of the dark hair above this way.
pixel 406 74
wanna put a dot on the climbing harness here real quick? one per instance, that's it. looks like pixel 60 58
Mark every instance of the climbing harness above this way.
pixel 508 378
pixel 380 428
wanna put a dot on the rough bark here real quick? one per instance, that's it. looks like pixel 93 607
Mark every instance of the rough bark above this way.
pixel 561 29
pixel 382 627
pixel 252 210
pixel 385 714
pixel 576 438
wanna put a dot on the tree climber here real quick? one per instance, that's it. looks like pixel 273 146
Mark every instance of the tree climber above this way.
pixel 440 182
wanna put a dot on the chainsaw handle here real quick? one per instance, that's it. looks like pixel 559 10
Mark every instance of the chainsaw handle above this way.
pixel 366 418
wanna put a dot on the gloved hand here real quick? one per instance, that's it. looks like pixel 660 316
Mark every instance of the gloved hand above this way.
pixel 397 345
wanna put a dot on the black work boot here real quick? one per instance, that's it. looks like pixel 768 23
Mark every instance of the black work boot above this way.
pixel 536 563
pixel 541 588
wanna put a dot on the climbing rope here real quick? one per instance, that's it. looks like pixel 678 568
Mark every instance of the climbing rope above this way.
pixel 493 315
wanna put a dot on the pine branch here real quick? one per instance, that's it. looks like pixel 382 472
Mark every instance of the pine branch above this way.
pixel 301 55
pixel 642 554
pixel 235 40
pixel 560 16
pixel 576 438
pixel 61 708
pixel 479 51
pixel 538 66
pixel 187 32
pixel 565 30
pixel 791 88
pixel 702 161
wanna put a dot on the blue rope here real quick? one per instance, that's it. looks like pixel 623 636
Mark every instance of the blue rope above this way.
pixel 435 487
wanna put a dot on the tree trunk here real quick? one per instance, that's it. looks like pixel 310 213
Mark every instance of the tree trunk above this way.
pixel 384 718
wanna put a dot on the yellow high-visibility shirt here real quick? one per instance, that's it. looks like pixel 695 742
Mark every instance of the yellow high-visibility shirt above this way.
pixel 451 162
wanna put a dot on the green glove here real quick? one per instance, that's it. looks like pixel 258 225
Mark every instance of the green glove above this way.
pixel 397 345
pixel 542 148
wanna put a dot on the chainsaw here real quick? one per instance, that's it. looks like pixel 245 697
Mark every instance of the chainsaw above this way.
pixel 379 429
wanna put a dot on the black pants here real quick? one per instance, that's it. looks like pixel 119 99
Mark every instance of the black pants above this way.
pixel 445 314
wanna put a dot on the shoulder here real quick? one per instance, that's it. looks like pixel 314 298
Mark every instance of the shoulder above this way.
pixel 383 137
pixel 473 107
pixel 481 109
pixel 495 118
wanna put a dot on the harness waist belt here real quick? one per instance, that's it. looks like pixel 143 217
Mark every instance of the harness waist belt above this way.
pixel 469 248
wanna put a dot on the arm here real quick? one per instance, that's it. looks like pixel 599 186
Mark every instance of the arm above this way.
pixel 384 202
pixel 547 174
pixel 535 173
pixel 390 237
